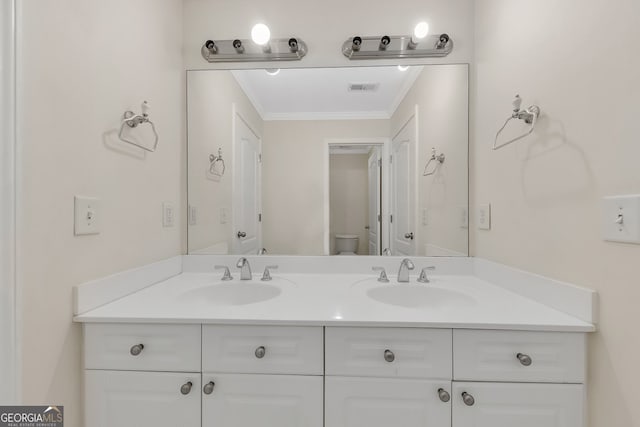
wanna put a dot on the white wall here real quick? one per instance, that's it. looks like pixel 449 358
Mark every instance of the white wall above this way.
pixel 324 26
pixel 578 61
pixel 293 180
pixel 211 95
pixel 349 198
pixel 8 336
pixel 442 95
pixel 82 63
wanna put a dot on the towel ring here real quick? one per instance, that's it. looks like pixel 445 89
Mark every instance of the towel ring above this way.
pixel 529 115
pixel 439 158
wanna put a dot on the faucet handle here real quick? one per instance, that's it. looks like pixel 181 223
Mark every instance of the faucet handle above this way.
pixel 227 274
pixel 423 274
pixel 383 274
pixel 266 276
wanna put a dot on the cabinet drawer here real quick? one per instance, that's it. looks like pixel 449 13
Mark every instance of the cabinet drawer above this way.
pixel 388 352
pixel 142 347
pixel 519 356
pixel 262 349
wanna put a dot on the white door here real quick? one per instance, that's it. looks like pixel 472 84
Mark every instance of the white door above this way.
pixel 518 404
pixel 384 402
pixel 246 189
pixel 141 399
pixel 374 201
pixel 403 188
pixel 262 400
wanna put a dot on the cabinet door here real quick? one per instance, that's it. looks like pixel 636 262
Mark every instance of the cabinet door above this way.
pixel 384 402
pixel 141 399
pixel 518 404
pixel 238 400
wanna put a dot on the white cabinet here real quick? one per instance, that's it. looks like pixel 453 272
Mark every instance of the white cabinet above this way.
pixel 235 400
pixel 139 399
pixel 384 402
pixel 518 404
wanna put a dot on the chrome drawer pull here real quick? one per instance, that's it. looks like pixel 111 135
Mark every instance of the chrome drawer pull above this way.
pixel 186 388
pixel 443 395
pixel 260 352
pixel 468 399
pixel 136 349
pixel 389 356
pixel 525 359
pixel 208 387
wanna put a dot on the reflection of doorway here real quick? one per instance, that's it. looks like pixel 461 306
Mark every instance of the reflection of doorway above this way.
pixel 247 197
pixel 355 194
pixel 403 189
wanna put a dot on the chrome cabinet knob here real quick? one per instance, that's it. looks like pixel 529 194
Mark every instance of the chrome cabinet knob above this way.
pixel 208 387
pixel 389 356
pixel 186 388
pixel 524 359
pixel 444 395
pixel 468 399
pixel 408 236
pixel 260 352
pixel 241 234
pixel 136 349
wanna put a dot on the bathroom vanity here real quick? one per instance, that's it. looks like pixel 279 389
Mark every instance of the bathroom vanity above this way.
pixel 332 349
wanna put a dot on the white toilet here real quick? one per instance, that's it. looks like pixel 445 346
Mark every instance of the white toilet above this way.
pixel 346 244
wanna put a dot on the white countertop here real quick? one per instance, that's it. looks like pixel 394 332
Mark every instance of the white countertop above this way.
pixel 335 300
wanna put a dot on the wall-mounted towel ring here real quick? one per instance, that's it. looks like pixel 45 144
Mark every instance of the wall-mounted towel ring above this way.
pixel 132 120
pixel 435 157
pixel 216 164
pixel 529 115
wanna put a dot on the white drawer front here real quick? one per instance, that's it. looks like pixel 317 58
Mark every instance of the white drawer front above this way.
pixel 162 347
pixel 415 353
pixel 262 349
pixel 502 356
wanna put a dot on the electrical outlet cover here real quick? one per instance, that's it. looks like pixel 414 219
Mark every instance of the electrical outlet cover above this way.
pixel 168 214
pixel 484 217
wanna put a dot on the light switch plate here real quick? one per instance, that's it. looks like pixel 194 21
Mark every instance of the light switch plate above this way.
pixel 621 218
pixel 168 214
pixel 463 213
pixel 86 215
pixel 484 217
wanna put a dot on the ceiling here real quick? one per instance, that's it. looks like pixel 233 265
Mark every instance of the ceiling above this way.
pixel 324 93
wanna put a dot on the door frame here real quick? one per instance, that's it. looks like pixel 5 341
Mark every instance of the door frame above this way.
pixel 9 296
pixel 237 114
pixel 416 209
pixel 385 144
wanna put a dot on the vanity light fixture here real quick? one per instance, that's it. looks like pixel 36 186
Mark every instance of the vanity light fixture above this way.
pixel 419 45
pixel 259 48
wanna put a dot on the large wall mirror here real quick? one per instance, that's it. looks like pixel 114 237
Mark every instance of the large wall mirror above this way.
pixel 329 161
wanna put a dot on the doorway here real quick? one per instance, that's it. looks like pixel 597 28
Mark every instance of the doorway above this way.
pixel 356 202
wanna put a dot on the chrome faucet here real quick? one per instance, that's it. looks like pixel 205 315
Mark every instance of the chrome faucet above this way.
pixel 403 273
pixel 245 269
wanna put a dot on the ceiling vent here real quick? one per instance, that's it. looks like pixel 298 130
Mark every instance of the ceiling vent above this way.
pixel 363 87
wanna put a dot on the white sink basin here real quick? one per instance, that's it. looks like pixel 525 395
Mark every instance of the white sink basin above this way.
pixel 419 296
pixel 233 293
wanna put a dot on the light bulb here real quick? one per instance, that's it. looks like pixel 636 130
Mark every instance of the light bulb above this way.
pixel 260 34
pixel 421 31
pixel 403 67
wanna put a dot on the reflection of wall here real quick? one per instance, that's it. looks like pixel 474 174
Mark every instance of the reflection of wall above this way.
pixel 545 191
pixel 210 99
pixel 349 197
pixel 71 95
pixel 293 180
pixel 441 93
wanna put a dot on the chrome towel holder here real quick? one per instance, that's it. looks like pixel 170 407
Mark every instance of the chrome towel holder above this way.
pixel 435 157
pixel 132 120
pixel 529 115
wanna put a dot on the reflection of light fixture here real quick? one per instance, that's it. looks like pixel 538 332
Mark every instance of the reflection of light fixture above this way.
pixel 419 32
pixel 403 67
pixel 272 71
